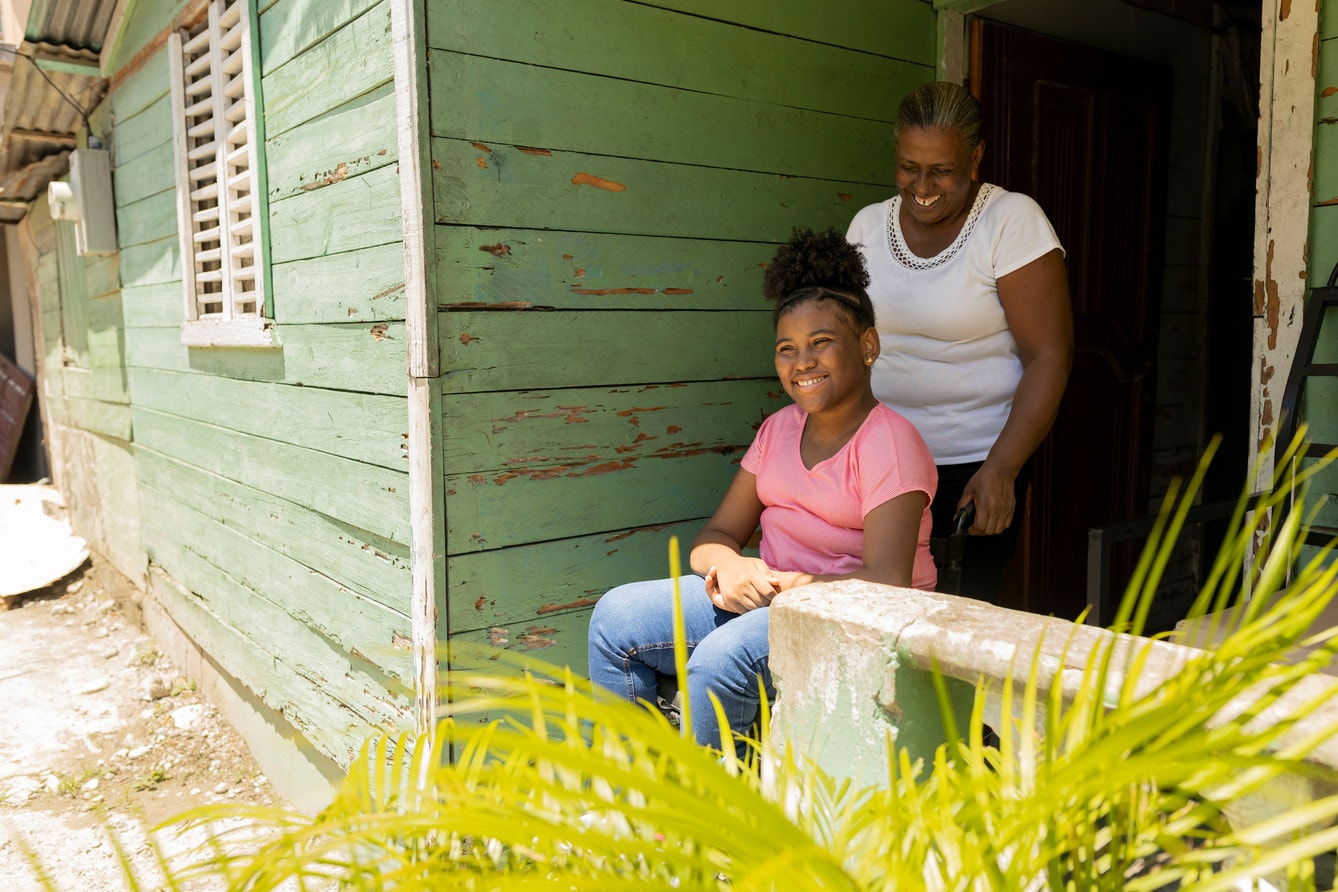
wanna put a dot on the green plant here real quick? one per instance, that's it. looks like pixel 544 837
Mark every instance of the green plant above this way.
pixel 151 780
pixel 573 788
pixel 146 655
pixel 182 685
pixel 73 784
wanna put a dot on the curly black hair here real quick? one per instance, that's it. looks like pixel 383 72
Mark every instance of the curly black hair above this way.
pixel 819 266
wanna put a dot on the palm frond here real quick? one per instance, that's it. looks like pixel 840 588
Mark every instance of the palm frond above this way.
pixel 535 779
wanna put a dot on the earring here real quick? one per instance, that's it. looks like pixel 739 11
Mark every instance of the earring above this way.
pixel 868 360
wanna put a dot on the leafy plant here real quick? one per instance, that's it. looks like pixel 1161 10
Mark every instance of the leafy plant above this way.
pixel 151 780
pixel 73 784
pixel 535 780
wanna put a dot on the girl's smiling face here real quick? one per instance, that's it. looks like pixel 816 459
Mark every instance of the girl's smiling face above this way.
pixel 821 360
pixel 934 173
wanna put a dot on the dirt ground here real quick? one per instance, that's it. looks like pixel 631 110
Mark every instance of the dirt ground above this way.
pixel 100 729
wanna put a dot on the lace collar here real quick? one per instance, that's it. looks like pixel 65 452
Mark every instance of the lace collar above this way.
pixel 896 242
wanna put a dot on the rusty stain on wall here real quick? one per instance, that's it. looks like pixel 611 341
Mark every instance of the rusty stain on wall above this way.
pixel 482 162
pixel 501 249
pixel 589 179
pixel 1272 301
pixel 497 636
pixel 530 150
pixel 676 291
pixel 379 332
pixel 536 637
pixel 542 474
pixel 554 608
pixel 601 292
pixel 607 467
pixel 466 338
pixel 573 414
pixel 653 528
pixel 389 291
pixel 331 177
pixel 481 147
pixel 632 447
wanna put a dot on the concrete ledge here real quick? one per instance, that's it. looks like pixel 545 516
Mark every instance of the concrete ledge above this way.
pixel 853 668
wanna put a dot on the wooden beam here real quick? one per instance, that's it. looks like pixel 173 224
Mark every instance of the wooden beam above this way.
pixel 962 6
pixel 427 498
pixel 65 139
pixel 65 64
pixel 1288 65
pixel 112 39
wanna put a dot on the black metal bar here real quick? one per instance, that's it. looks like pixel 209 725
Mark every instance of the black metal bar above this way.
pixel 1100 541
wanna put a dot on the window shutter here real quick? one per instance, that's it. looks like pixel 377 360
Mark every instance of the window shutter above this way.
pixel 216 156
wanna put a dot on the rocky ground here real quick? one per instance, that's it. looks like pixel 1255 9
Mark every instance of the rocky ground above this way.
pixel 99 730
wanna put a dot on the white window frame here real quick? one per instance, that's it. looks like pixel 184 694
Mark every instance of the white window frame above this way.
pixel 221 204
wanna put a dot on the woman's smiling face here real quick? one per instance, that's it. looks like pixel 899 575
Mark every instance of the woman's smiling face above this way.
pixel 934 173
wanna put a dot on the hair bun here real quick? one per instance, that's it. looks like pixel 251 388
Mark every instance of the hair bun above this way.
pixel 815 260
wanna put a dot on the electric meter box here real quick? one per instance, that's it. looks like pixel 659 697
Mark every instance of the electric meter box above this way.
pixel 87 200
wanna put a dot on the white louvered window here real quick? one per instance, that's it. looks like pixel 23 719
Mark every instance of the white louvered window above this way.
pixel 219 197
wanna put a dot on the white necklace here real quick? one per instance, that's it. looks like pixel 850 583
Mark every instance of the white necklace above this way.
pixel 896 242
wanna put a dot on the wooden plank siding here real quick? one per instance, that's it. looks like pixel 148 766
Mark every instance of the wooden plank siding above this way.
pixel 1320 401
pixel 84 388
pixel 274 482
pixel 609 180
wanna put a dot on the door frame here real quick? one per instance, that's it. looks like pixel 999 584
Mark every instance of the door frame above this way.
pixel 1287 71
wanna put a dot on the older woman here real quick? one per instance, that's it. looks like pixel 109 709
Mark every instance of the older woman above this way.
pixel 972 302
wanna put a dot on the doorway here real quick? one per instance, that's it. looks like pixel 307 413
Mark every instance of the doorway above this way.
pixel 1105 115
pixel 1084 133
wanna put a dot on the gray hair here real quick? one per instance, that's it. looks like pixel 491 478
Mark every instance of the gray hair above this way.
pixel 942 105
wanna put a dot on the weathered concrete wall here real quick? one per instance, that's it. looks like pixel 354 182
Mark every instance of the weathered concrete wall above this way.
pixel 853 664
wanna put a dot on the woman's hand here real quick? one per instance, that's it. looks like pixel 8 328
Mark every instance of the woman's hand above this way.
pixel 741 584
pixel 991 488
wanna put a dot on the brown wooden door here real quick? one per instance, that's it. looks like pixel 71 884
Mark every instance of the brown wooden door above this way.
pixel 1084 132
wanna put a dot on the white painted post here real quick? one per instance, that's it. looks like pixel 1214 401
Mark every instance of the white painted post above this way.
pixel 1288 61
pixel 427 500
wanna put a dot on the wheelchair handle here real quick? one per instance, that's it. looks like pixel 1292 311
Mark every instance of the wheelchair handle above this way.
pixel 965 517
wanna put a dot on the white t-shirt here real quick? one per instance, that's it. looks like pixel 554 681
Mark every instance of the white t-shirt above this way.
pixel 949 364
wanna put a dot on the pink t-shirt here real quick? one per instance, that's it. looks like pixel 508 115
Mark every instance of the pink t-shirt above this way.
pixel 813 520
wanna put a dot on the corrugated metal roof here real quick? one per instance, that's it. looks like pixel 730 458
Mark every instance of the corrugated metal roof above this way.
pixel 24 184
pixel 33 102
pixel 77 24
pixel 38 125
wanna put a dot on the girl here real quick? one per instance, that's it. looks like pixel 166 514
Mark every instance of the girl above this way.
pixel 840 483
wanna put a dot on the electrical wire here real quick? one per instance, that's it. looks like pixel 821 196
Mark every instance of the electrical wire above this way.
pixel 82 114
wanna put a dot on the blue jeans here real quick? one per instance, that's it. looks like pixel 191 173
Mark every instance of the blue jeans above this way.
pixel 632 642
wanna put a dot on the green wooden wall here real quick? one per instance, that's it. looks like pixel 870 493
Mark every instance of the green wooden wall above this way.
pixel 1321 397
pixel 609 179
pixel 84 388
pixel 273 483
